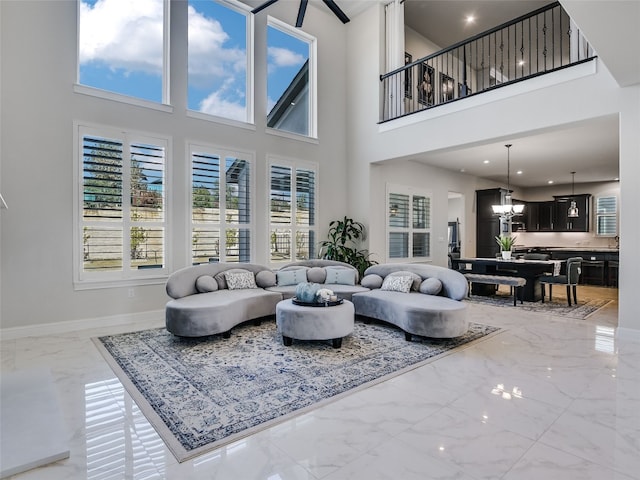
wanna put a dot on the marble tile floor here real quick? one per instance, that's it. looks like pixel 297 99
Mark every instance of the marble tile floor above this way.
pixel 548 398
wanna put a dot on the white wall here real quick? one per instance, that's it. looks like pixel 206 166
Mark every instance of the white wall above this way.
pixel 571 95
pixel 38 110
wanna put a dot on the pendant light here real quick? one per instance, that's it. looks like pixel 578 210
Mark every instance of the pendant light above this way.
pixel 573 208
pixel 506 210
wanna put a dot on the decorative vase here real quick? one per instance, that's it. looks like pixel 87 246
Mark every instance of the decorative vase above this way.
pixel 506 254
pixel 306 292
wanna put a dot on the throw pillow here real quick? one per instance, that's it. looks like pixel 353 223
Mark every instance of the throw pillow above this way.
pixel 431 286
pixel 316 275
pixel 266 278
pixel 397 283
pixel 240 280
pixel 291 277
pixel 417 279
pixel 206 283
pixel 371 281
pixel 340 275
pixel 222 281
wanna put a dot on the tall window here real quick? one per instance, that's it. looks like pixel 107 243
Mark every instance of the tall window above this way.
pixel 607 216
pixel 123 47
pixel 122 201
pixel 292 203
pixel 409 224
pixel 221 186
pixel 291 97
pixel 219 33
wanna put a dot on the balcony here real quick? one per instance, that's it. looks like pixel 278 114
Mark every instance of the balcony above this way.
pixel 540 42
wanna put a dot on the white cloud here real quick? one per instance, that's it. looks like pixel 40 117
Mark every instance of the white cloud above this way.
pixel 123 35
pixel 214 104
pixel 283 57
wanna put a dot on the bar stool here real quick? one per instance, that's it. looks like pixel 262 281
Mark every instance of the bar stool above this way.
pixel 593 272
pixel 612 274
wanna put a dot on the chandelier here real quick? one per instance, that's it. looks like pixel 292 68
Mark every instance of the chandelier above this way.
pixel 506 210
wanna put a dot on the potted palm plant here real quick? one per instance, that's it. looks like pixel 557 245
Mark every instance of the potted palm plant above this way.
pixel 506 242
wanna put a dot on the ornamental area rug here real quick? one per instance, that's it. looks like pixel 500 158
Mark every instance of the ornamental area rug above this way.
pixel 559 306
pixel 202 393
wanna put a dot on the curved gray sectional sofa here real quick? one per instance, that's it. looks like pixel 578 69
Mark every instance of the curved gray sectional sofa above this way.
pixel 442 315
pixel 192 313
pixel 202 304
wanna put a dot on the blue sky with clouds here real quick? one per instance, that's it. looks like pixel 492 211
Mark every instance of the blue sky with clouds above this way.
pixel 121 51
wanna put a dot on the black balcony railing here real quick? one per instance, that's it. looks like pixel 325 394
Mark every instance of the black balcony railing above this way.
pixel 539 42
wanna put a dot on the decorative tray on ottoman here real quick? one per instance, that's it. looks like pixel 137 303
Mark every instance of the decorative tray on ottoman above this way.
pixel 329 303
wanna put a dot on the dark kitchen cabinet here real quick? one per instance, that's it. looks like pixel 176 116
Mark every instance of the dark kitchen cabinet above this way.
pixel 564 223
pixel 487 223
pixel 540 216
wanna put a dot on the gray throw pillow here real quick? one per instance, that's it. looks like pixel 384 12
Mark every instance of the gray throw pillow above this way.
pixel 291 277
pixel 222 281
pixel 371 281
pixel 416 279
pixel 206 283
pixel 265 278
pixel 340 276
pixel 316 275
pixel 240 280
pixel 431 286
pixel 397 283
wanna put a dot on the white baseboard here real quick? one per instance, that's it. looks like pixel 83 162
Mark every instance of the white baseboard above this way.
pixel 628 334
pixel 57 328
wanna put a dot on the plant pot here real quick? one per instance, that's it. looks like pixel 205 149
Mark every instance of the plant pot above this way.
pixel 506 254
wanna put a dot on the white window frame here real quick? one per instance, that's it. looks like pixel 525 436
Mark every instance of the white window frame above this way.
pixel 249 88
pixel 596 215
pixel 223 153
pixel 126 277
pixel 410 230
pixel 294 165
pixel 313 79
pixel 165 104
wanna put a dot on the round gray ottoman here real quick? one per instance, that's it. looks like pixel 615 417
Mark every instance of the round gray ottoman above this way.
pixel 314 323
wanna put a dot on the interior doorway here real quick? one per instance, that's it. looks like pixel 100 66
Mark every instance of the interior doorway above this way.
pixel 455 229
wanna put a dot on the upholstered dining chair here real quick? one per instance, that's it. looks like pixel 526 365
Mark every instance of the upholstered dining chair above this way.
pixel 570 279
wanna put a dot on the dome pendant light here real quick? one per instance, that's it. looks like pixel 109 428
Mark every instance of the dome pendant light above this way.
pixel 573 208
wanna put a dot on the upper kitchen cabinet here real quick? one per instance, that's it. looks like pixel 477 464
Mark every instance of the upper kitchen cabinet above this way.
pixel 562 221
pixel 540 216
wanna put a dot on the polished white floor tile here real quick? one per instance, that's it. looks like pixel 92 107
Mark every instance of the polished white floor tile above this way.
pixel 547 398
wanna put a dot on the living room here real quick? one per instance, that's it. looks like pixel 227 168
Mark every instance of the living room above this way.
pixel 354 156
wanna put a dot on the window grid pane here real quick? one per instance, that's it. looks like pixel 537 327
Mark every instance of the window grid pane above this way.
pixel 280 241
pixel 205 188
pixel 147 247
pixel 238 195
pixel 102 248
pixel 205 245
pixel 398 245
pixel 147 178
pixel 102 179
pixel 280 196
pixel 237 245
pixel 305 197
pixel 398 210
pixel 421 245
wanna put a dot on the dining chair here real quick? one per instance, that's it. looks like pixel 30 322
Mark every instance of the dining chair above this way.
pixel 574 267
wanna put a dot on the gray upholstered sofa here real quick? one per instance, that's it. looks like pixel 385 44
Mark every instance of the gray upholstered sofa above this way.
pixel 339 277
pixel 435 313
pixel 204 304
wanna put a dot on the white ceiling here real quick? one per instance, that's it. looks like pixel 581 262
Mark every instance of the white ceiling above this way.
pixel 590 148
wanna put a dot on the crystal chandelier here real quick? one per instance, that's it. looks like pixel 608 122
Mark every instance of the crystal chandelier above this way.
pixel 506 210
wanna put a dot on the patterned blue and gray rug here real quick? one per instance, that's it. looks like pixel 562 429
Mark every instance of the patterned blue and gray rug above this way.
pixel 202 393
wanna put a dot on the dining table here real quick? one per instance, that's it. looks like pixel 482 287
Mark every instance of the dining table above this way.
pixel 530 270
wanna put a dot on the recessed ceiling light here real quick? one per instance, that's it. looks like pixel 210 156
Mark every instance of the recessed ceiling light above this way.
pixel 519 172
pixel 521 62
pixel 485 162
pixel 550 182
pixel 470 19
pixel 462 170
